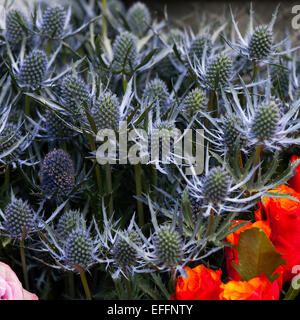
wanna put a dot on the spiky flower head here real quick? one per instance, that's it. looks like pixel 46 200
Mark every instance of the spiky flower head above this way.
pixel 106 111
pixel 123 252
pixel 33 69
pixel 168 246
pixel 218 72
pixel 57 174
pixel 69 221
pixel 125 52
pixel 197 47
pixel 56 128
pixel 156 91
pixel 138 19
pixel 216 185
pixel 9 138
pixel 20 219
pixel 79 249
pixel 195 101
pixel 280 80
pixel 74 91
pixel 54 19
pixel 115 6
pixel 231 131
pixel 260 44
pixel 16 25
pixel 265 121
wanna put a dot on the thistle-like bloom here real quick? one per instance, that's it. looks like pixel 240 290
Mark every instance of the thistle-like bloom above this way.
pixel 156 92
pixel 10 139
pixel 214 73
pixel 168 246
pixel 258 44
pixel 138 19
pixel 197 47
pixel 19 219
pixel 54 19
pixel 69 221
pixel 74 92
pixel 57 175
pixel 217 190
pixel 79 250
pixel 55 128
pixel 194 102
pixel 106 111
pixel 33 70
pixel 16 26
pixel 125 53
pixel 259 122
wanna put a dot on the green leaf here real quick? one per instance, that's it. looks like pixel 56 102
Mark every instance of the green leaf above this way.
pixel 257 255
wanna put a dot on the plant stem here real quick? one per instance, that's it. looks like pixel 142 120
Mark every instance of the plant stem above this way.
pixel 104 22
pixel 27 105
pixel 71 284
pixel 210 106
pixel 138 184
pixel 128 287
pixel 85 285
pixel 109 188
pixel 24 266
pixel 124 82
pixel 292 293
pixel 210 223
pixel 241 162
pixel 258 152
pixel 97 168
pixel 255 70
pixel 155 181
pixel 48 48
pixel 7 178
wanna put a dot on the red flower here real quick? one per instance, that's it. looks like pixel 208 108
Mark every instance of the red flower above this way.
pixel 258 288
pixel 201 284
pixel 294 182
pixel 283 217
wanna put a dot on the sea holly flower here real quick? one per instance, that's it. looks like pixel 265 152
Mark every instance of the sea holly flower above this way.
pixel 74 92
pixel 16 26
pixel 78 251
pixel 57 175
pixel 123 251
pixel 106 111
pixel 19 219
pixel 157 93
pixel 139 19
pixel 125 54
pixel 194 101
pixel 54 21
pixel 218 191
pixel 258 44
pixel 69 221
pixel 260 122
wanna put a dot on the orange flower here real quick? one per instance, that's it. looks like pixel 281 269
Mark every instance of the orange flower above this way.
pixel 294 182
pixel 258 288
pixel 201 284
pixel 283 217
pixel 233 238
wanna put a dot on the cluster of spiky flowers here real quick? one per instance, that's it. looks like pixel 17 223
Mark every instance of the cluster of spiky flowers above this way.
pixel 72 93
